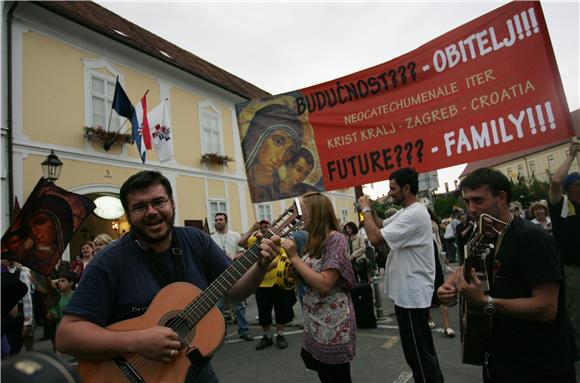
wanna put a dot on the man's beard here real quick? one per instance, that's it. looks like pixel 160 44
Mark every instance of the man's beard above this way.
pixel 397 200
pixel 143 236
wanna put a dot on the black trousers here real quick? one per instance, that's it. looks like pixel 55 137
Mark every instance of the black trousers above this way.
pixel 417 343
pixel 495 370
pixel 327 373
pixel 450 249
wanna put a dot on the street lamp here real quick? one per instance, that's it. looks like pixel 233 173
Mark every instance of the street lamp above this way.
pixel 51 167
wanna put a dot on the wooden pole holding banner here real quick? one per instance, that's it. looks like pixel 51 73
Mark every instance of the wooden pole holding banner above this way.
pixel 358 192
pixel 575 139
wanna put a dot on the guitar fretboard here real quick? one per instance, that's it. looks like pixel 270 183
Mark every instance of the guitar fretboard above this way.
pixel 194 311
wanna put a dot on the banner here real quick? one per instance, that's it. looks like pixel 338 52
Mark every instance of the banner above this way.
pixel 44 227
pixel 487 88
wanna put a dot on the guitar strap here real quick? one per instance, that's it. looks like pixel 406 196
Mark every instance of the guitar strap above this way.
pixel 497 247
pixel 159 268
pixel 163 276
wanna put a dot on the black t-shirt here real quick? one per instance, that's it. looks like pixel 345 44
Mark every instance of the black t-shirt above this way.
pixel 567 232
pixel 528 258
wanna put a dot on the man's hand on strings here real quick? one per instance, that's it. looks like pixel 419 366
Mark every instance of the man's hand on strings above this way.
pixel 473 290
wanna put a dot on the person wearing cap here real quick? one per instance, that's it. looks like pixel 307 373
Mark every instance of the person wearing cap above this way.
pixel 270 295
pixel 565 216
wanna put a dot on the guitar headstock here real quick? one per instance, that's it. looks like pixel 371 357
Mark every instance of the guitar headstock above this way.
pixel 481 247
pixel 288 221
pixel 490 226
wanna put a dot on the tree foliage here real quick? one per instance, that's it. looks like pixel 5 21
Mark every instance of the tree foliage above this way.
pixel 524 190
pixel 529 190
pixel 444 204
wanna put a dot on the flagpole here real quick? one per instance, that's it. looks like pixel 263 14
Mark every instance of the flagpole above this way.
pixel 111 112
pixel 110 116
pixel 110 142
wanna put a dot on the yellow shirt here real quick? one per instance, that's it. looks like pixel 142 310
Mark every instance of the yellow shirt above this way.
pixel 270 277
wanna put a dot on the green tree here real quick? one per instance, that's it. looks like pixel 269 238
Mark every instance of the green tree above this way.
pixel 381 207
pixel 529 190
pixel 444 204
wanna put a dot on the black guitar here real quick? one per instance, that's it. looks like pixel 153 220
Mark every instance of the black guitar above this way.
pixel 479 254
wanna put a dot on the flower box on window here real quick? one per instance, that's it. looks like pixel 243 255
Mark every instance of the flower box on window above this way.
pixel 100 134
pixel 215 159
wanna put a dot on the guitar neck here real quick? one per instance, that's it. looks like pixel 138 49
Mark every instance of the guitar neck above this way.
pixel 217 289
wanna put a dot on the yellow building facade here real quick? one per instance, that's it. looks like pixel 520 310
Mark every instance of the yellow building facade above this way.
pixel 542 164
pixel 59 77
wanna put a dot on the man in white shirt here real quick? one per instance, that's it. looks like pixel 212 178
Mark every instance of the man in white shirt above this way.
pixel 410 271
pixel 227 240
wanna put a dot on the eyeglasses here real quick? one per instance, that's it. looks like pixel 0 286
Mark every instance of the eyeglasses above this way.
pixel 157 203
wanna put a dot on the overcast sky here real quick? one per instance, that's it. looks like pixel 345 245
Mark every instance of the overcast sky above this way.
pixel 281 47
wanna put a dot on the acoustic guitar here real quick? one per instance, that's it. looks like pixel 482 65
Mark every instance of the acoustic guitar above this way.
pixel 480 251
pixel 187 310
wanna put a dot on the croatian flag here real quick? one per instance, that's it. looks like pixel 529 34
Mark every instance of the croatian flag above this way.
pixel 140 131
pixel 161 134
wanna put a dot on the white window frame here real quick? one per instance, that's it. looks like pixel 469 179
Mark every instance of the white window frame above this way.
pixel 91 69
pixel 510 173
pixel 520 170
pixel 532 166
pixel 264 211
pixel 221 206
pixel 344 215
pixel 207 108
pixel 551 159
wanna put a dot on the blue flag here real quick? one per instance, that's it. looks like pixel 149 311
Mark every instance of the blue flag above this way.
pixel 121 103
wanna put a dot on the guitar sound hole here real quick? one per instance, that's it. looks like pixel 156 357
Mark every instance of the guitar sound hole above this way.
pixel 178 324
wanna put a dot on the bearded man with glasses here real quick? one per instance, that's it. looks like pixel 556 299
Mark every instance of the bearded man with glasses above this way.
pixel 123 279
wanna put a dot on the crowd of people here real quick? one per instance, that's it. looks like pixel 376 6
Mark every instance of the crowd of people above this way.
pixel 46 296
pixel 533 302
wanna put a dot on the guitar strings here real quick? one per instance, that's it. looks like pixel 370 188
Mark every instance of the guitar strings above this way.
pixel 193 307
pixel 138 360
pixel 228 273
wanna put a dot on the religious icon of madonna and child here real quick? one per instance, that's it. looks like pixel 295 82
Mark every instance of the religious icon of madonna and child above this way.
pixel 280 155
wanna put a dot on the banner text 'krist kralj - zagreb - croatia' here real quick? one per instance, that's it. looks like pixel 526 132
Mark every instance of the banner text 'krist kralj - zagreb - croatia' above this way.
pixel 487 88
